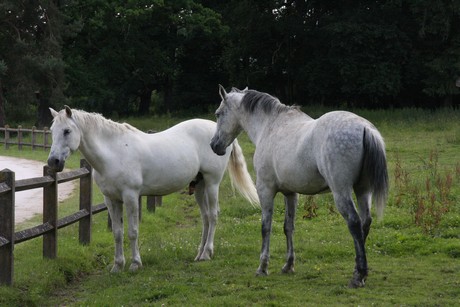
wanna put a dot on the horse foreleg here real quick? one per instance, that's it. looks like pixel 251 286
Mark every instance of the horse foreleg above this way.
pixel 346 207
pixel 132 211
pixel 290 202
pixel 116 214
pixel 266 202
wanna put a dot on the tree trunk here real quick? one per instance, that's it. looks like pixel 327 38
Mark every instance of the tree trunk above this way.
pixel 168 96
pixel 144 105
pixel 44 117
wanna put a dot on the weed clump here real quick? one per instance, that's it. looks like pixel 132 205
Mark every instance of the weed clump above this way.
pixel 430 198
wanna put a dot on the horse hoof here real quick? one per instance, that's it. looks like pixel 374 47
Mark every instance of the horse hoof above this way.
pixel 116 269
pixel 204 256
pixel 287 269
pixel 134 267
pixel 356 283
pixel 260 272
pixel 358 280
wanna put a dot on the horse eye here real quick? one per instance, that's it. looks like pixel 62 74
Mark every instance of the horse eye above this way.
pixel 66 132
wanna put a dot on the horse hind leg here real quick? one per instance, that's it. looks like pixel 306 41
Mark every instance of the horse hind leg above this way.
pixel 207 197
pixel 116 214
pixel 200 198
pixel 290 201
pixel 347 209
pixel 364 205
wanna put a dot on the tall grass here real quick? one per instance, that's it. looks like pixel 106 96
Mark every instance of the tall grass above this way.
pixel 410 264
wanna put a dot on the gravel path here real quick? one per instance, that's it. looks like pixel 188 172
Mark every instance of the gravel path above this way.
pixel 30 202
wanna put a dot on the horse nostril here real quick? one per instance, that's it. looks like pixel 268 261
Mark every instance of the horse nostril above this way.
pixel 53 162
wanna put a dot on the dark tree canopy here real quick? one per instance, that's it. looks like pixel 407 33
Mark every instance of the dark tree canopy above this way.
pixel 136 57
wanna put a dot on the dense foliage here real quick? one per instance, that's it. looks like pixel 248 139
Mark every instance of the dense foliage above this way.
pixel 138 56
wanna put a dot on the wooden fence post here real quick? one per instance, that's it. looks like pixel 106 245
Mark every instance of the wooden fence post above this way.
pixel 7 136
pixel 45 138
pixel 33 137
pixel 153 202
pixel 50 203
pixel 19 137
pixel 86 196
pixel 7 179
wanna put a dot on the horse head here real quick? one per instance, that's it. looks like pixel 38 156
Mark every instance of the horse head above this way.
pixel 228 123
pixel 66 138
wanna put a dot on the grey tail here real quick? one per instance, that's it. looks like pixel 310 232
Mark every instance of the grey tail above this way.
pixel 375 167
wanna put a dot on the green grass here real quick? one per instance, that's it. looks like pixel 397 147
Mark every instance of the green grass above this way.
pixel 407 265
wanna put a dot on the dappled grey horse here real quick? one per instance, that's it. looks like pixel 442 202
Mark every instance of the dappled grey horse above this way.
pixel 338 152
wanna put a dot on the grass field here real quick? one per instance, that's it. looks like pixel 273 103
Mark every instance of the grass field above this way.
pixel 413 254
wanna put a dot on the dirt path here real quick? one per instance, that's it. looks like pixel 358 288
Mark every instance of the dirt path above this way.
pixel 30 202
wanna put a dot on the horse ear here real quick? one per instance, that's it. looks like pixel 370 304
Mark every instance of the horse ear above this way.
pixel 53 112
pixel 246 89
pixel 222 92
pixel 68 111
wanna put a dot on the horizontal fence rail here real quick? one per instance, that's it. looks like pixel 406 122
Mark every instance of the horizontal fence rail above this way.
pixel 16 136
pixel 49 183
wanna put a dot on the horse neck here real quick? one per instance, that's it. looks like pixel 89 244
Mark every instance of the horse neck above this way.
pixel 95 139
pixel 256 124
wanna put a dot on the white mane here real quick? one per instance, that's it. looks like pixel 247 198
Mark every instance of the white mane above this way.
pixel 86 120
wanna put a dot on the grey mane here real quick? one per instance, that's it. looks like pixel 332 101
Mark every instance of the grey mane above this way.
pixel 254 100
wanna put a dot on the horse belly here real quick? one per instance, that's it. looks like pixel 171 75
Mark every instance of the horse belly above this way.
pixel 169 173
pixel 165 186
pixel 296 168
pixel 303 181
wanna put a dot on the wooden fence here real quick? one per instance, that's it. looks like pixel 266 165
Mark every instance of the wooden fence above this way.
pixel 49 182
pixel 38 138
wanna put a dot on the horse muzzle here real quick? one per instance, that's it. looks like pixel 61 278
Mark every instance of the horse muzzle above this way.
pixel 218 147
pixel 56 164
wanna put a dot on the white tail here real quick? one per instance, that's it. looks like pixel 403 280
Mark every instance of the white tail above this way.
pixel 240 177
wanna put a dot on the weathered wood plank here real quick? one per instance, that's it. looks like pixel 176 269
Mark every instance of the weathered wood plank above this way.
pixel 33 183
pixel 7 228
pixel 30 233
pixel 99 208
pixel 72 175
pixel 86 196
pixel 71 219
pixel 50 213
pixel 3 241
pixel 4 188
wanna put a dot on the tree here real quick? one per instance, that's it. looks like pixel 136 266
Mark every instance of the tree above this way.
pixel 126 50
pixel 435 33
pixel 31 49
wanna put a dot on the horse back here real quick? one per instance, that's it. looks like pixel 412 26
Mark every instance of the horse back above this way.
pixel 176 156
pixel 309 156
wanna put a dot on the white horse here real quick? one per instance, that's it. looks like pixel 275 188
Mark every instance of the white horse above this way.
pixel 339 152
pixel 128 162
